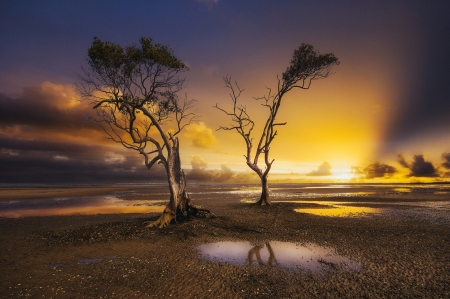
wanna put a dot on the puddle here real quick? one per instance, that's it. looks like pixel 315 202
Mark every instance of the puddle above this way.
pixel 306 257
pixel 329 187
pixel 89 261
pixel 283 196
pixel 95 260
pixel 402 190
pixel 340 211
pixel 83 262
pixel 55 266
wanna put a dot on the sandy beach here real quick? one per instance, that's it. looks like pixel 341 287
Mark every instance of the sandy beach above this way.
pixel 401 250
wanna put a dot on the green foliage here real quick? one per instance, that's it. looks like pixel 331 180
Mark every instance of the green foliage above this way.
pixel 156 53
pixel 308 63
pixel 106 57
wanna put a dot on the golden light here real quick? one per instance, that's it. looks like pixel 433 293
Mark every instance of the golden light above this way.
pixel 104 208
pixel 340 211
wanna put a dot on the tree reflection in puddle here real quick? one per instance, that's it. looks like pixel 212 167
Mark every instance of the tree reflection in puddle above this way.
pixel 309 257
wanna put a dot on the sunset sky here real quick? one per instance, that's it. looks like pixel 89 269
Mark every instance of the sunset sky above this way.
pixel 382 116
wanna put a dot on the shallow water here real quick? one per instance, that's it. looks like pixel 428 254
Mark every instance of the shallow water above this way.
pixel 336 209
pixel 152 198
pixel 340 211
pixel 306 257
pixel 86 205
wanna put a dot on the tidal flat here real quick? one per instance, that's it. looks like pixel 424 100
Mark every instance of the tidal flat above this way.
pixel 314 241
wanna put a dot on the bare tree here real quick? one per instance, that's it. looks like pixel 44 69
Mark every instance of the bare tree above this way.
pixel 306 66
pixel 256 251
pixel 135 93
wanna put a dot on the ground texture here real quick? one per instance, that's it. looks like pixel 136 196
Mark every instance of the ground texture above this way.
pixel 404 254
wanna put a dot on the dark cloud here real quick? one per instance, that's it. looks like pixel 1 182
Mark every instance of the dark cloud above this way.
pixel 34 161
pixel 446 163
pixel 378 170
pixel 419 167
pixel 323 170
pixel 34 147
pixel 48 106
pixel 61 148
pixel 374 170
pixel 200 173
pixel 422 168
pixel 402 161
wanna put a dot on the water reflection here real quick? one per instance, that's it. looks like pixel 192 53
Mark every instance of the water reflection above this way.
pixel 339 211
pixel 85 205
pixel 318 191
pixel 402 189
pixel 309 257
pixel 90 261
pixel 87 210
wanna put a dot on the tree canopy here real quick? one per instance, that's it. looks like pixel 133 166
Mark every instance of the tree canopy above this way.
pixel 135 93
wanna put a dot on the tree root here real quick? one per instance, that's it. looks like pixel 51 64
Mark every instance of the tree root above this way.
pixel 163 220
pixel 199 212
pixel 191 211
pixel 263 202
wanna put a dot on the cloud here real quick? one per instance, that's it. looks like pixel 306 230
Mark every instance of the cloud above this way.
pixel 446 163
pixel 57 162
pixel 378 170
pixel 198 163
pixel 374 170
pixel 323 170
pixel 45 137
pixel 201 135
pixel 357 170
pixel 402 161
pixel 111 157
pixel 49 106
pixel 419 167
pixel 224 174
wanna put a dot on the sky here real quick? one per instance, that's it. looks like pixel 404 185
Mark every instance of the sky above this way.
pixel 382 116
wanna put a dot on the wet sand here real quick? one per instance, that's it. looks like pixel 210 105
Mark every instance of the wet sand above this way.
pixel 402 253
pixel 42 192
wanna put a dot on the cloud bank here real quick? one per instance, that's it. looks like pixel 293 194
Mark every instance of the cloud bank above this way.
pixel 418 167
pixel 323 170
pixel 222 175
pixel 378 170
pixel 446 158
pixel 374 170
pixel 45 137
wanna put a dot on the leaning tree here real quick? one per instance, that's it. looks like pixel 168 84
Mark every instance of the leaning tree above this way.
pixel 307 65
pixel 134 91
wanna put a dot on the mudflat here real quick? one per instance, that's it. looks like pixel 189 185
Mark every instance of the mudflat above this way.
pixel 400 253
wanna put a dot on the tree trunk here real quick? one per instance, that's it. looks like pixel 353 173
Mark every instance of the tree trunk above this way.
pixel 264 199
pixel 179 206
